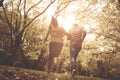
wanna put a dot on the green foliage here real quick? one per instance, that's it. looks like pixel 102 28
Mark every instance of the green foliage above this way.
pixel 100 16
pixel 16 14
pixel 34 40
pixel 26 74
pixel 104 23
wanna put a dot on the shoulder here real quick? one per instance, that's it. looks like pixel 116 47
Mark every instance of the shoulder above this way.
pixel 61 28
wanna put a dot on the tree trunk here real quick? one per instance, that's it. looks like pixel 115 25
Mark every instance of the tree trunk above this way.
pixel 17 51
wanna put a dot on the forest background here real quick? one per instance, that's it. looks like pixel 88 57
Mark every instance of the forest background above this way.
pixel 24 25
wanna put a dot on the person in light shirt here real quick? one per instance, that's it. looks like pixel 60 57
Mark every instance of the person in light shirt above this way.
pixel 77 36
pixel 56 41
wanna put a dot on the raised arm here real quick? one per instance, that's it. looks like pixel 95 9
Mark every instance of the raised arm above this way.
pixel 66 33
pixel 48 32
pixel 52 23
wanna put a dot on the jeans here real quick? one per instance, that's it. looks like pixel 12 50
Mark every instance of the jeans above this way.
pixel 75 48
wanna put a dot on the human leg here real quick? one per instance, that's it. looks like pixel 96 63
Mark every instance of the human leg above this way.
pixel 50 62
pixel 73 58
pixel 54 51
pixel 55 64
pixel 74 51
pixel 72 61
pixel 50 57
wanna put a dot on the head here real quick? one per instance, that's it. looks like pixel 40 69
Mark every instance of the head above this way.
pixel 78 26
pixel 75 25
pixel 54 22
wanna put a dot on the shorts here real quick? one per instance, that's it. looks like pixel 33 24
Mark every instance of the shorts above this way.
pixel 55 49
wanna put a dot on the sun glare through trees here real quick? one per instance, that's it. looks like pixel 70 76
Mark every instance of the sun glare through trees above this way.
pixel 24 25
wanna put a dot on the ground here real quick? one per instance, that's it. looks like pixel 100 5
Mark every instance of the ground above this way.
pixel 14 73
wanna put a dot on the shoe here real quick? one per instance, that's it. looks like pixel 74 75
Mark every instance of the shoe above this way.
pixel 73 72
pixel 48 71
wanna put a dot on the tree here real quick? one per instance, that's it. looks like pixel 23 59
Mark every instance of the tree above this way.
pixel 17 17
pixel 1 2
pixel 104 24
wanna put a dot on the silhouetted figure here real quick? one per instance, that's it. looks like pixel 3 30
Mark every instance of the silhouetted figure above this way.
pixel 56 41
pixel 77 36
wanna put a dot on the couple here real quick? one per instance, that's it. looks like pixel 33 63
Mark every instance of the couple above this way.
pixel 76 37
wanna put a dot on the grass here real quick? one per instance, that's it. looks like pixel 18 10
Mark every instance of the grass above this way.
pixel 14 73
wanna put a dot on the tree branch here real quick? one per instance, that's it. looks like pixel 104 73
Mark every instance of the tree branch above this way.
pixel 1 3
pixel 33 6
pixel 6 17
pixel 58 10
pixel 35 17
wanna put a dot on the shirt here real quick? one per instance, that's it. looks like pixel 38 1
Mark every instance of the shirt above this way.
pixel 57 34
pixel 77 33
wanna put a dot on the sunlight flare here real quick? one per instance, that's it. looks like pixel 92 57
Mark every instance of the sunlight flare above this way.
pixel 66 22
pixel 90 36
pixel 101 48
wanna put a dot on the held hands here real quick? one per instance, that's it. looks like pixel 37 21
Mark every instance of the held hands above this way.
pixel 69 36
